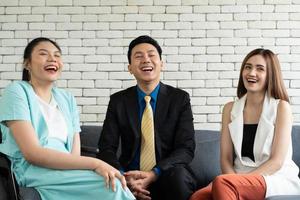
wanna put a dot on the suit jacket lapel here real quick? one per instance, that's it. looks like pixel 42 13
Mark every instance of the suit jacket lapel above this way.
pixel 162 104
pixel 132 110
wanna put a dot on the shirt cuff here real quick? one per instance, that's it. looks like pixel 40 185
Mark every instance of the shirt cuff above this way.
pixel 157 171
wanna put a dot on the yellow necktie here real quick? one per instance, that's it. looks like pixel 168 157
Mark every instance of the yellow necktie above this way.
pixel 147 159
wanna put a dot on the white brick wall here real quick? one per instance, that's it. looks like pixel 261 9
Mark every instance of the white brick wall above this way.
pixel 203 41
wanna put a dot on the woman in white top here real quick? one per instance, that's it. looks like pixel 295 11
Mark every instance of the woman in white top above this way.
pixel 256 147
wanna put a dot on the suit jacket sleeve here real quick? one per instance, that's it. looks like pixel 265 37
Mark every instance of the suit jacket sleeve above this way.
pixel 183 141
pixel 109 140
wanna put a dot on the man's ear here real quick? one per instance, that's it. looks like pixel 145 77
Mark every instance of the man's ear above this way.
pixel 162 64
pixel 129 69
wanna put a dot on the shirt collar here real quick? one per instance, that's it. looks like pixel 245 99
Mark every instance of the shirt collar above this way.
pixel 51 104
pixel 153 94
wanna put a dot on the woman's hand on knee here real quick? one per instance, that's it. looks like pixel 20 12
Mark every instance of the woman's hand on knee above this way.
pixel 110 173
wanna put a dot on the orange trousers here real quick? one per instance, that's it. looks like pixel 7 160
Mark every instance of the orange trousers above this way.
pixel 233 187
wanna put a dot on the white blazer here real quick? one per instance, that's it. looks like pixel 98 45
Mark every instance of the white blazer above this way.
pixel 283 182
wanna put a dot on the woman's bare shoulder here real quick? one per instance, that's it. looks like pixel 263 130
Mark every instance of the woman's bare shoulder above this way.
pixel 228 107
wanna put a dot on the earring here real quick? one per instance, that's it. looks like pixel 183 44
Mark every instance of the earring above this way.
pixel 28 69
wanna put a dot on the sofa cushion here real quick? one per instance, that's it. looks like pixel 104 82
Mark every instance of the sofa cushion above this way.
pixel 89 137
pixel 296 145
pixel 284 197
pixel 206 163
pixel 3 186
pixel 29 194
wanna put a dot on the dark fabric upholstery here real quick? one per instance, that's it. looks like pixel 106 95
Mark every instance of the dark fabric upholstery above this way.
pixel 296 145
pixel 29 194
pixel 205 165
pixel 3 179
pixel 3 193
pixel 89 137
pixel 7 187
pixel 285 197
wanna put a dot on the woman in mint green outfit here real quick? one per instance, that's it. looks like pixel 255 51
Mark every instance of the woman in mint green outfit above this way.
pixel 40 127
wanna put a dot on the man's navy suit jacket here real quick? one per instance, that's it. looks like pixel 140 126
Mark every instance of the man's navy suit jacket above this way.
pixel 173 124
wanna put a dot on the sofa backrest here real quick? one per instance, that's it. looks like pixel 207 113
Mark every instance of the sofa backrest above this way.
pixel 206 163
pixel 90 135
pixel 296 144
pixel 89 138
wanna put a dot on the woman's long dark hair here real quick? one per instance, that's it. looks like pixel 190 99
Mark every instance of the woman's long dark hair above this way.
pixel 275 86
pixel 28 51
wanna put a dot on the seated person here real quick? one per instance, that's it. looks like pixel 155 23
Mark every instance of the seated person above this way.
pixel 154 122
pixel 256 146
pixel 40 127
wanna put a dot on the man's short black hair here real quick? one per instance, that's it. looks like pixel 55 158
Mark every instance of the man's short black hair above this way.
pixel 143 39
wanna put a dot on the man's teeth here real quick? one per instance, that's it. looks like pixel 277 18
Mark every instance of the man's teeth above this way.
pixel 147 69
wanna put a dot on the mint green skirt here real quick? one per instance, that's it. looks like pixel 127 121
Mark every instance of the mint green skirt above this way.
pixel 70 184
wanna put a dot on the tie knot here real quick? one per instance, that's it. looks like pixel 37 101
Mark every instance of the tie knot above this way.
pixel 147 99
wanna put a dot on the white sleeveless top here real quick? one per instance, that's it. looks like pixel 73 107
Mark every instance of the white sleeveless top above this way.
pixel 283 182
pixel 57 127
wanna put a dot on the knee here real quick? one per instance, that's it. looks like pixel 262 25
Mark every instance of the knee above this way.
pixel 202 194
pixel 197 195
pixel 178 180
pixel 222 180
pixel 222 185
pixel 175 175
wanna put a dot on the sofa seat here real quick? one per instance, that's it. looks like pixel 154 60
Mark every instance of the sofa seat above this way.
pixel 287 197
pixel 205 165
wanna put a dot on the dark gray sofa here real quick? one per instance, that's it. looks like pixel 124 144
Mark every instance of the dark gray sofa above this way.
pixel 205 165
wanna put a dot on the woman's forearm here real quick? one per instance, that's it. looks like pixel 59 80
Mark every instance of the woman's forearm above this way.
pixel 50 158
pixel 227 168
pixel 268 168
pixel 34 153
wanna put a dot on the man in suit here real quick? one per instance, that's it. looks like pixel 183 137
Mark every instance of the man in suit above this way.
pixel 169 176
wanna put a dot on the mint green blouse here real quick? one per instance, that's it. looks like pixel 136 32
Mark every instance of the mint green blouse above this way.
pixel 18 102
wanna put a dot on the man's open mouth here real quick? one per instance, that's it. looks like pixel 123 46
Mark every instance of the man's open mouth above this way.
pixel 147 69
